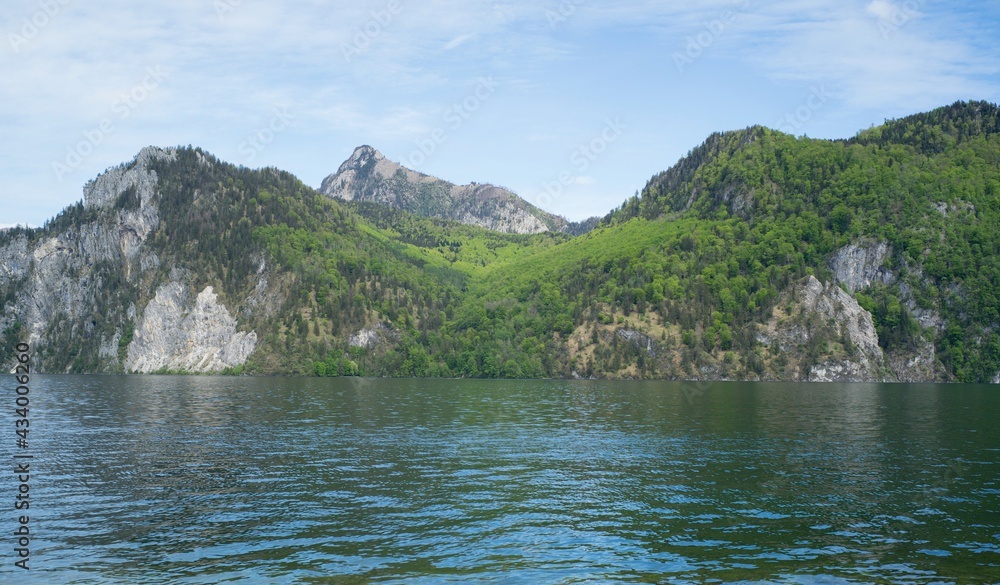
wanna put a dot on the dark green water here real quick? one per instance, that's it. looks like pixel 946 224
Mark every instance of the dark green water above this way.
pixel 209 480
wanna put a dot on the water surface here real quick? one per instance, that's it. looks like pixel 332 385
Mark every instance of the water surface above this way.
pixel 272 480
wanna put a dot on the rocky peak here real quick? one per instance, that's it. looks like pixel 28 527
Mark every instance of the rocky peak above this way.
pixel 367 176
pixel 362 157
pixel 105 189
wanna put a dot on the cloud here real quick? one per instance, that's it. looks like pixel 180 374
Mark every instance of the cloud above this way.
pixel 395 123
pixel 228 68
pixel 872 54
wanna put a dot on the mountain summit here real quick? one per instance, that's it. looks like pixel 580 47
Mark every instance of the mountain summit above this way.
pixel 368 177
pixel 759 256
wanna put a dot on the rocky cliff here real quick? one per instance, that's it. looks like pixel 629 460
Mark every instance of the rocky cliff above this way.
pixel 85 283
pixel 862 265
pixel 859 266
pixel 174 333
pixel 367 176
pixel 821 334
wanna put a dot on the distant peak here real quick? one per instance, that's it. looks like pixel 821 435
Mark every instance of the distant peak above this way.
pixel 363 156
pixel 365 152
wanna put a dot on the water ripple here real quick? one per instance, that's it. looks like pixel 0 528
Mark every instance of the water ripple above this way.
pixel 211 480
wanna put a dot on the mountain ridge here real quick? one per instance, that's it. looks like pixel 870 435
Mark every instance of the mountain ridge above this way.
pixel 759 256
pixel 368 176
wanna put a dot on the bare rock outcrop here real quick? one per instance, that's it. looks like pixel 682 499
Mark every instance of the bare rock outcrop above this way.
pixel 859 266
pixel 813 313
pixel 917 365
pixel 638 340
pixel 14 260
pixel 369 337
pixel 63 280
pixel 175 334
pixel 106 188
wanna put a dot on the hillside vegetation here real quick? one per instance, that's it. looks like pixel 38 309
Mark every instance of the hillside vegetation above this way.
pixel 699 276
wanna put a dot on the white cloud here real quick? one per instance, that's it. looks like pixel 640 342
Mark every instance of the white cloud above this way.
pixel 396 123
pixel 228 69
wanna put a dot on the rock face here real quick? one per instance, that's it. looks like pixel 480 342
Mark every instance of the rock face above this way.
pixel 859 266
pixel 852 322
pixel 106 188
pixel 920 365
pixel 827 317
pixel 367 176
pixel 14 260
pixel 638 340
pixel 173 334
pixel 824 314
pixel 79 285
pixel 370 336
pixel 996 379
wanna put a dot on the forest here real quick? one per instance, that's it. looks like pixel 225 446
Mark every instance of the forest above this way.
pixel 677 279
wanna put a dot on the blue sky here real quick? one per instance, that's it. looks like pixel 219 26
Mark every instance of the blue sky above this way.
pixel 573 104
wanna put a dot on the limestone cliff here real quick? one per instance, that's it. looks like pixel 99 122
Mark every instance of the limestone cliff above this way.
pixel 858 266
pixel 862 265
pixel 175 334
pixel 825 335
pixel 85 282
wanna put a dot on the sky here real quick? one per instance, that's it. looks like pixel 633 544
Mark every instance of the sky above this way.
pixel 572 104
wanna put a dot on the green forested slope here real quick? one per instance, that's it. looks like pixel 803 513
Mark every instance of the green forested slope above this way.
pixel 929 185
pixel 678 282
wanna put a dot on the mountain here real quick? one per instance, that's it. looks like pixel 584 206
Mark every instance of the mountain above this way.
pixel 368 177
pixel 758 256
pixel 179 262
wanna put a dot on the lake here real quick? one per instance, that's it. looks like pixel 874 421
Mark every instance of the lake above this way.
pixel 287 480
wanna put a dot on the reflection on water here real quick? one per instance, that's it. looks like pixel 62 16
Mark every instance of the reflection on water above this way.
pixel 204 480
